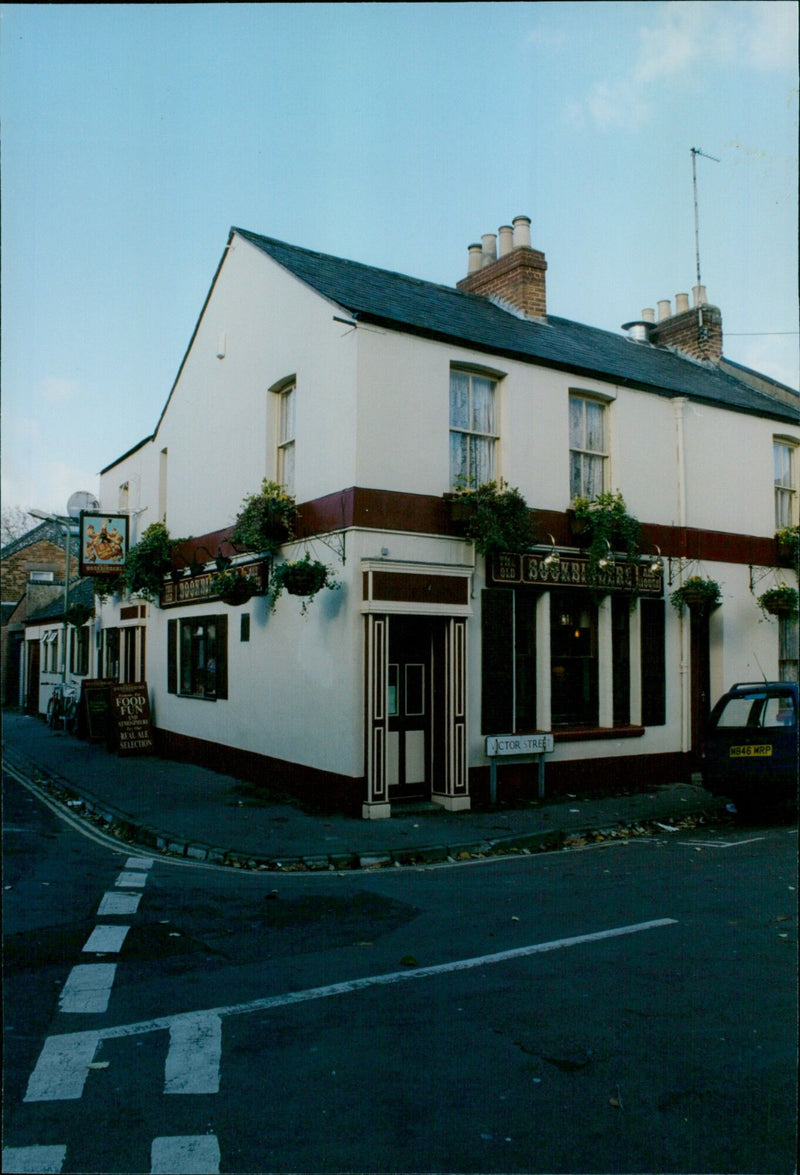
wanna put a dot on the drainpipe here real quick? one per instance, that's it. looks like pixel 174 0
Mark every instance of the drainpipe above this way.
pixel 679 409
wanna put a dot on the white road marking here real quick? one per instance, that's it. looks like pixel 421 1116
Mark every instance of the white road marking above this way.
pixel 33 1160
pixel 119 903
pixel 165 1023
pixel 131 880
pixel 62 1068
pixel 193 1060
pixel 721 844
pixel 63 1064
pixel 36 1160
pixel 188 1154
pixel 88 988
pixel 106 940
pixel 139 862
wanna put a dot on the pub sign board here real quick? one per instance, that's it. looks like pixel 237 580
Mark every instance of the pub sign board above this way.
pixel 103 543
pixel 572 571
pixel 130 717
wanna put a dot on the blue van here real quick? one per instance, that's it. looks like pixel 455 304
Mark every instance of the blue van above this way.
pixel 751 746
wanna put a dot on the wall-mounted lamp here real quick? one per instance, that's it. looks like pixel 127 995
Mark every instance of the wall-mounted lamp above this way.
pixel 606 561
pixel 655 564
pixel 553 558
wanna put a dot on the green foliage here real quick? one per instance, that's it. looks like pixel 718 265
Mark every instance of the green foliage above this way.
pixel 698 592
pixel 78 614
pixel 496 517
pixel 149 561
pixel 781 600
pixel 305 577
pixel 233 588
pixel 788 538
pixel 610 527
pixel 266 520
pixel 106 586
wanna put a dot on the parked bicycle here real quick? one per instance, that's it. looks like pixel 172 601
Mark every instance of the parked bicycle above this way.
pixel 62 707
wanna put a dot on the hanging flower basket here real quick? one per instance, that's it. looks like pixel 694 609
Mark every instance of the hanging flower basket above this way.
pixel 149 561
pixel 304 578
pixel 234 589
pixel 697 594
pixel 780 601
pixel 266 520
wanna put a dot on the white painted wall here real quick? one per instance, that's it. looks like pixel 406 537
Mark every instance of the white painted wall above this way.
pixel 373 411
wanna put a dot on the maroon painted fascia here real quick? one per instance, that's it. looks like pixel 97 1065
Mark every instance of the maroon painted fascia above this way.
pixel 425 514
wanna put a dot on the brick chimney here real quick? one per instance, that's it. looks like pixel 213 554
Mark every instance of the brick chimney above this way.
pixel 516 276
pixel 696 331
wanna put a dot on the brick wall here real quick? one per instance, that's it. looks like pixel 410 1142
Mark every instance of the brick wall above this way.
pixel 39 556
pixel 684 332
pixel 518 278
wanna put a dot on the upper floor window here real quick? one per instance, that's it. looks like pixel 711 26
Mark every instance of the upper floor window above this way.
pixel 286 437
pixel 588 453
pixel 785 463
pixel 473 430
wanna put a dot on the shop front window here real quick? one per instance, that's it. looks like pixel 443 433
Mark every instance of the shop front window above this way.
pixel 573 660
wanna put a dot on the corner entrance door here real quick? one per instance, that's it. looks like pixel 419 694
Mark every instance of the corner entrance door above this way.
pixel 408 751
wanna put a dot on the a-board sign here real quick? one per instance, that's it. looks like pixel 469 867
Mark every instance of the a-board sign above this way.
pixel 130 714
pixel 518 744
pixel 93 715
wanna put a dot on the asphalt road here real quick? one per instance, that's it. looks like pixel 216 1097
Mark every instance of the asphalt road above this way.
pixel 471 1018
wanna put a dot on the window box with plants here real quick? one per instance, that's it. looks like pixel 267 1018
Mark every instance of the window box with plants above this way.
pixel 788 544
pixel 304 577
pixel 605 526
pixel 698 593
pixel 494 516
pixel 780 601
pixel 233 588
pixel 266 520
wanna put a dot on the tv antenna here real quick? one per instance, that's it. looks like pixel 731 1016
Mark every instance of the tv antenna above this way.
pixel 695 151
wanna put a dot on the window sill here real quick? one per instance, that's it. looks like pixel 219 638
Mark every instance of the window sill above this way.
pixel 199 697
pixel 579 734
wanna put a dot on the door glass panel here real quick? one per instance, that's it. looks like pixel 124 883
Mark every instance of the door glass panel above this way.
pixel 392 699
pixel 415 689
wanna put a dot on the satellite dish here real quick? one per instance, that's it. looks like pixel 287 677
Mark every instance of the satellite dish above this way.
pixel 81 500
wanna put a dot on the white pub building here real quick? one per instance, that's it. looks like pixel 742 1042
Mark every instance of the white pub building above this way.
pixel 372 396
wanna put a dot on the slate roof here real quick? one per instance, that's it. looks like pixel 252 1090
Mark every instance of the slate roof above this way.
pixel 442 312
pixel 81 591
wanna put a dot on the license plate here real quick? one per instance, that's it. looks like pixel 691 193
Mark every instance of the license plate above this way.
pixel 751 751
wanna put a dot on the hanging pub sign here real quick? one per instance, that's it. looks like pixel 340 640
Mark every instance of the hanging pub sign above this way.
pixel 103 543
pixel 572 571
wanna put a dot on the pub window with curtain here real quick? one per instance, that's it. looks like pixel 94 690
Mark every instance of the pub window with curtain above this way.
pixel 473 428
pixel 785 465
pixel 588 454
pixel 197 657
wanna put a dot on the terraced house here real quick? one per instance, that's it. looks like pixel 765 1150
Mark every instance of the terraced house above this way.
pixel 375 400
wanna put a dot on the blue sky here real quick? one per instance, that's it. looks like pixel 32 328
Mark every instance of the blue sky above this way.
pixel 134 136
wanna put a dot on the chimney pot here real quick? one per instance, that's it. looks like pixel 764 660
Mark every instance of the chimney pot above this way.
pixel 648 314
pixel 664 309
pixel 489 248
pixel 475 258
pixel 681 303
pixel 522 232
pixel 699 294
pixel 506 234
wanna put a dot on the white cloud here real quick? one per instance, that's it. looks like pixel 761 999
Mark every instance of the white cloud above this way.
pixel 57 390
pixel 683 36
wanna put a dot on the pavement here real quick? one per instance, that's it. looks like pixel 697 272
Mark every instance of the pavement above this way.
pixel 178 809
